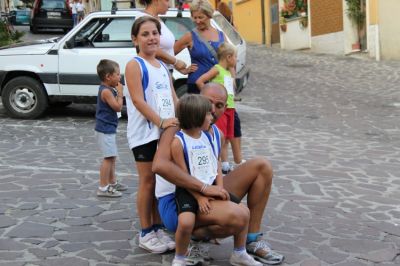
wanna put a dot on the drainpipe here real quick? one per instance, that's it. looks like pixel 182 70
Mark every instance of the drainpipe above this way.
pixel 263 21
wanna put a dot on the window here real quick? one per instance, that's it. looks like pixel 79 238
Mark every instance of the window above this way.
pixel 178 26
pixel 119 29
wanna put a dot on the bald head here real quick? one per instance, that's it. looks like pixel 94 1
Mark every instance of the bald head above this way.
pixel 217 95
pixel 215 89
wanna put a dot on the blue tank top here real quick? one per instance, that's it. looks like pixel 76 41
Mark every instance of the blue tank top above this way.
pixel 106 117
pixel 200 55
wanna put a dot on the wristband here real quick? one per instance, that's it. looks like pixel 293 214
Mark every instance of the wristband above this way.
pixel 161 123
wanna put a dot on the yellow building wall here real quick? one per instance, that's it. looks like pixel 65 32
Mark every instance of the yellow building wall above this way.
pixel 373 12
pixel 247 19
pixel 389 30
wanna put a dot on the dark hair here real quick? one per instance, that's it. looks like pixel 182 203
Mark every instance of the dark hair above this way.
pixel 138 23
pixel 145 2
pixel 106 67
pixel 192 110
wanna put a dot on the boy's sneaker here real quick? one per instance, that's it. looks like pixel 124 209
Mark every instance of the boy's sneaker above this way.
pixel 243 259
pixel 119 186
pixel 261 251
pixel 195 255
pixel 165 239
pixel 177 262
pixel 110 192
pixel 151 243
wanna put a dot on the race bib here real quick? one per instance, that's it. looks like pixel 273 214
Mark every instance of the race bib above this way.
pixel 202 168
pixel 228 83
pixel 164 104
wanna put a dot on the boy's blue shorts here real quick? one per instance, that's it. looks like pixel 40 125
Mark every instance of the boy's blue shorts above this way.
pixel 168 213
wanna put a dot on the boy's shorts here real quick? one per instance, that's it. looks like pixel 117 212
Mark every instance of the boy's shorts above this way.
pixel 167 208
pixel 185 202
pixel 107 144
pixel 226 123
pixel 145 152
pixel 237 131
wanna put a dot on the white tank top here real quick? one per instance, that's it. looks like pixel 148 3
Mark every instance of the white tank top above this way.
pixel 158 96
pixel 167 38
pixel 199 157
pixel 163 187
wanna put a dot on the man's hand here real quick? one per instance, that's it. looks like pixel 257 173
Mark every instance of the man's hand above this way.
pixel 216 192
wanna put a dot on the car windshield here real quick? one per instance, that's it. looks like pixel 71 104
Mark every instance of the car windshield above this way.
pixel 52 4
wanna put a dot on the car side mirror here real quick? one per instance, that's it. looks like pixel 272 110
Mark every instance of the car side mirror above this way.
pixel 105 37
pixel 70 43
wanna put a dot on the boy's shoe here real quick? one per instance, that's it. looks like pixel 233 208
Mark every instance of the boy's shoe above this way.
pixel 243 259
pixel 165 239
pixel 110 192
pixel 151 243
pixel 195 255
pixel 119 186
pixel 261 251
pixel 177 262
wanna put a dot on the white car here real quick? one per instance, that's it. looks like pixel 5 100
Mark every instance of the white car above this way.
pixel 63 70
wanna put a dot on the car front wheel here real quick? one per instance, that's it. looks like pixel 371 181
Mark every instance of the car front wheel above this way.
pixel 24 97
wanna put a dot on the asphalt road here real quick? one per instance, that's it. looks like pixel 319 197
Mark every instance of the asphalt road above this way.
pixel 329 125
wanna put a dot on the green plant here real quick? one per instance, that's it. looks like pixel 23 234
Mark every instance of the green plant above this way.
pixel 356 14
pixel 292 8
pixel 7 35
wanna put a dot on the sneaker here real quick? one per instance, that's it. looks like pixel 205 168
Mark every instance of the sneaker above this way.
pixel 227 170
pixel 119 186
pixel 261 251
pixel 151 243
pixel 165 239
pixel 177 262
pixel 110 192
pixel 194 255
pixel 243 259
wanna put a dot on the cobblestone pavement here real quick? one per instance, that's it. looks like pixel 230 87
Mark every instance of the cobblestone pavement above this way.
pixel 329 125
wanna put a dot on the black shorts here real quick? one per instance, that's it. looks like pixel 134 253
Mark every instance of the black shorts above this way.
pixel 185 202
pixel 145 152
pixel 192 88
pixel 237 129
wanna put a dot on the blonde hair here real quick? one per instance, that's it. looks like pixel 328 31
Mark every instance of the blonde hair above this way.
pixel 224 50
pixel 203 6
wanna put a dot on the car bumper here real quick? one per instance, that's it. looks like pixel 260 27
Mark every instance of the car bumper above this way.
pixel 241 79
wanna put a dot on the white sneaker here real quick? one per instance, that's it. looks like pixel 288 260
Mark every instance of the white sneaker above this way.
pixel 165 239
pixel 194 255
pixel 177 262
pixel 151 243
pixel 243 259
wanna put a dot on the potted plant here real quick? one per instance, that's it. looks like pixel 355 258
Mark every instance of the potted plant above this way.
pixel 357 17
pixel 282 23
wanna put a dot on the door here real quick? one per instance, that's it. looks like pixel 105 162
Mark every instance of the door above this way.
pixel 275 38
pixel 99 38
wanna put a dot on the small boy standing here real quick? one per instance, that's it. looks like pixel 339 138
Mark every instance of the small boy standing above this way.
pixel 109 102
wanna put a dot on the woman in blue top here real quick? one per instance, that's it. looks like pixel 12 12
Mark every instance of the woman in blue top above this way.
pixel 201 54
